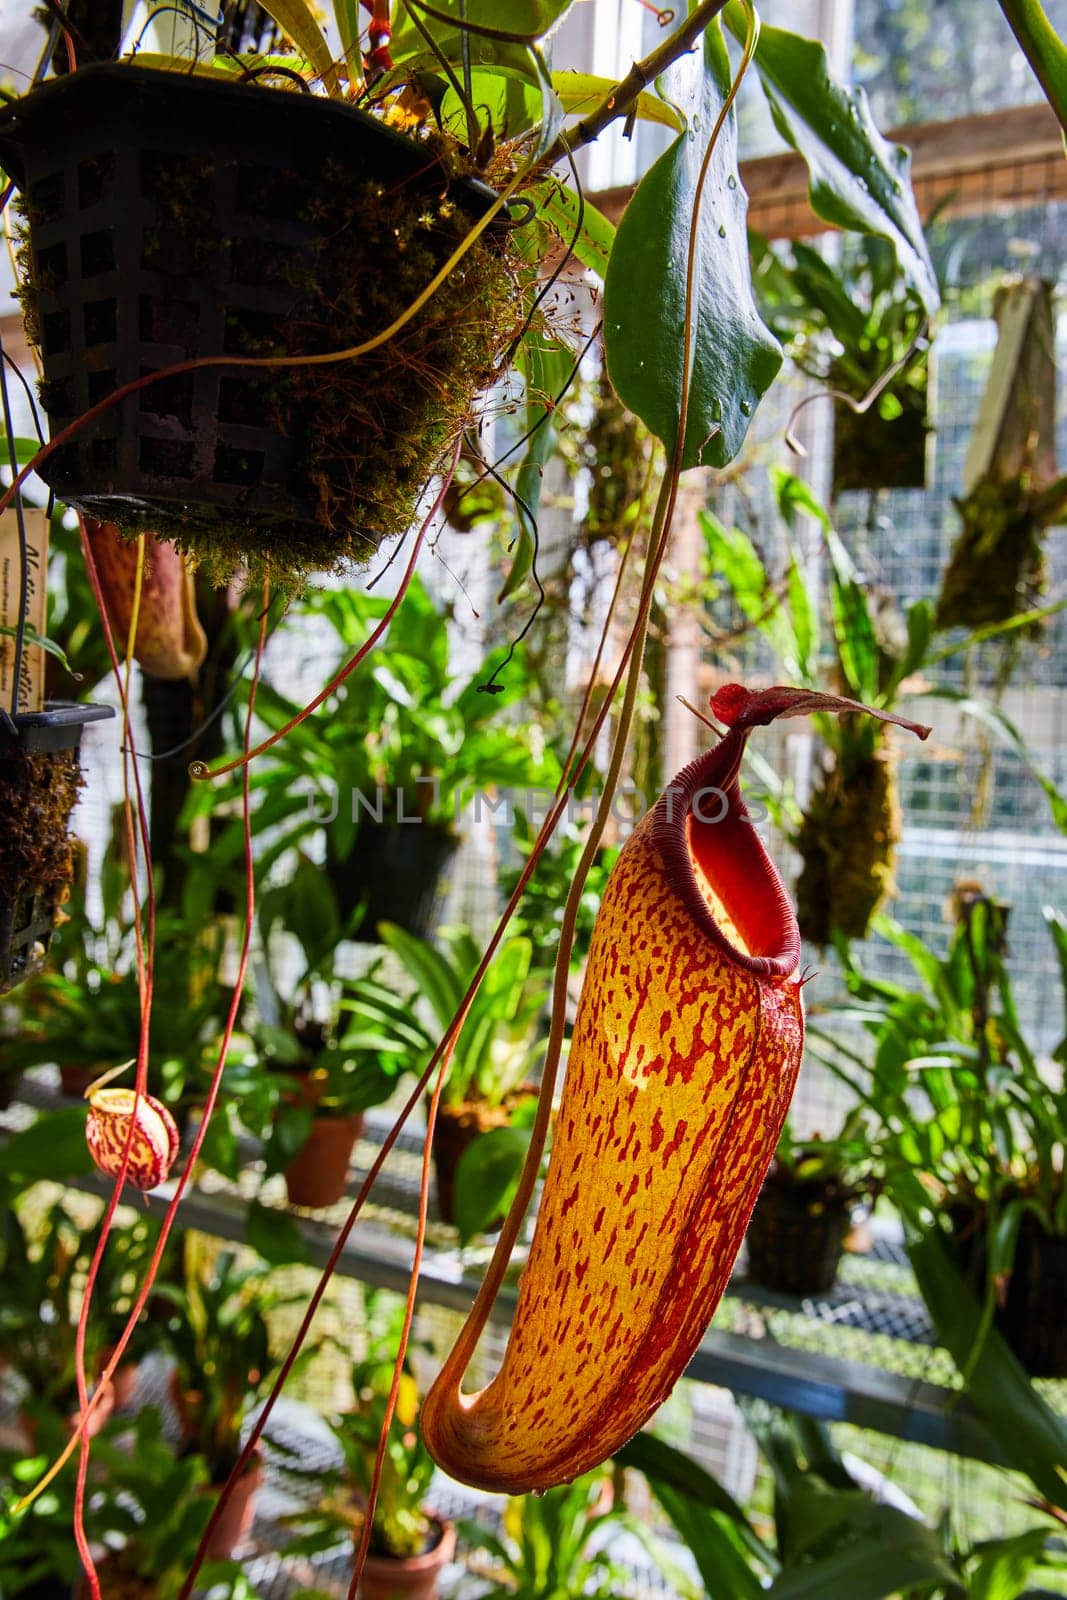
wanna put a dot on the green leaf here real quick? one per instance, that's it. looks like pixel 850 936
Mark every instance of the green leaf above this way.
pixel 859 181
pixel 1030 1435
pixel 520 20
pixel 31 636
pixel 1005 1564
pixel 581 92
pixel 886 1553
pixel 665 1466
pixel 486 1177
pixel 545 369
pixel 275 1236
pixel 713 1542
pixel 1057 925
pixel 52 1147
pixel 733 358
pixel 581 226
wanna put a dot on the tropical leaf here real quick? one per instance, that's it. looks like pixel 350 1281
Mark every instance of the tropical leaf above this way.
pixel 732 358
pixel 582 92
pixel 486 1176
pixel 859 181
pixel 1031 1437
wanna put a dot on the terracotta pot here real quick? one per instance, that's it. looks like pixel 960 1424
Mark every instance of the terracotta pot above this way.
pixel 413 1577
pixel 457 1128
pixel 102 1413
pixel 124 1382
pixel 318 1176
pixel 238 1514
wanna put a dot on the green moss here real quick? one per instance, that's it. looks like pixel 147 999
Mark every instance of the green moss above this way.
pixel 996 569
pixel 37 794
pixel 846 843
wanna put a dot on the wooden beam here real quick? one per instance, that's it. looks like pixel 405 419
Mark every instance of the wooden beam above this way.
pixel 971 165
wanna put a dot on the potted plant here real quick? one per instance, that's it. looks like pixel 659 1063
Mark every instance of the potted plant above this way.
pixel 383 774
pixel 148 1511
pixel 1011 490
pixel 292 226
pixel 554 1544
pixel 798 1228
pixel 303 1077
pixel 41 1270
pixel 216 1330
pixel 488 1081
pixel 854 326
pixel 839 1527
pixel 848 830
pixel 987 1143
pixel 409 1546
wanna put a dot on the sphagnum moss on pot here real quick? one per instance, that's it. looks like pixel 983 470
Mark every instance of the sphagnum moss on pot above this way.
pixel 38 789
pixel 846 843
pixel 289 226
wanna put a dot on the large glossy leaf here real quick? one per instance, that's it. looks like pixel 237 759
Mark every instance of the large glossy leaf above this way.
pixel 1031 1436
pixel 666 1467
pixel 859 180
pixel 486 1177
pixel 582 92
pixel 546 367
pixel 52 1147
pixel 733 358
pixel 526 20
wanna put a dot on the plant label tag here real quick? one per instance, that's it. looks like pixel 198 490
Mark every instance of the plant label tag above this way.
pixel 31 667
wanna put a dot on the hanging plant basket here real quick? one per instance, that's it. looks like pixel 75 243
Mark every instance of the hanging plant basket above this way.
pixel 174 217
pixel 1029 1312
pixel 872 451
pixel 39 782
pixel 796 1235
pixel 847 843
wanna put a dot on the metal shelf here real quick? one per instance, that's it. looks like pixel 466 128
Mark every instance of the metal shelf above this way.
pixel 753 1362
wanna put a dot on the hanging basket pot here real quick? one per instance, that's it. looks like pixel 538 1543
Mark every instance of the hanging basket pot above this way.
pixel 796 1235
pixel 174 217
pixel 1029 1314
pixel 872 451
pixel 39 782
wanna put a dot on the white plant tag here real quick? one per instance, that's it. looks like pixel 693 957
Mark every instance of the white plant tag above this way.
pixel 31 676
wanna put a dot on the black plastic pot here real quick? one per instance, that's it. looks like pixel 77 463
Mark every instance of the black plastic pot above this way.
pixel 175 217
pixel 1031 1318
pixel 395 872
pixel 796 1237
pixel 29 903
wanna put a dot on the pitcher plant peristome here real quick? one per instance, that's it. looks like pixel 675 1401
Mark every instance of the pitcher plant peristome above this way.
pixel 682 1065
